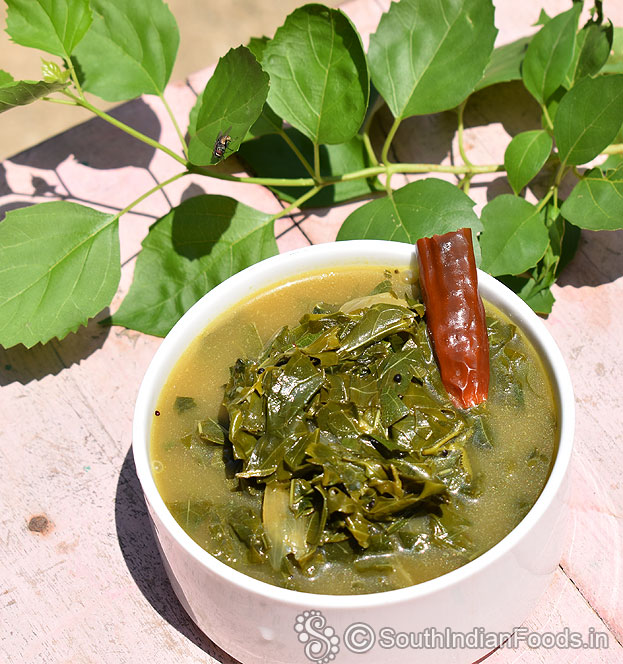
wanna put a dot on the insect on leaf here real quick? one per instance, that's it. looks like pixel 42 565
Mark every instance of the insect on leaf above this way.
pixel 318 74
pixel 429 55
pixel 231 102
pixel 186 253
pixel 129 49
pixel 60 267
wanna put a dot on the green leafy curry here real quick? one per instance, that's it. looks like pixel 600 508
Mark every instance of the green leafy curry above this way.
pixel 336 462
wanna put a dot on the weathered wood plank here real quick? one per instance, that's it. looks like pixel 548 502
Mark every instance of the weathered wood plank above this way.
pixel 81 576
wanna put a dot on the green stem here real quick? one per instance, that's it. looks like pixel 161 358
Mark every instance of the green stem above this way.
pixel 297 152
pixel 389 139
pixel 153 190
pixel 180 135
pixel 546 198
pixel 460 111
pixel 369 149
pixel 267 182
pixel 317 175
pixel 74 77
pixel 299 201
pixel 550 124
pixel 124 127
pixel 53 100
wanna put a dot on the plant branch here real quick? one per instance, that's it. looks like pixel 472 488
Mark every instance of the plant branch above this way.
pixel 389 139
pixel 548 119
pixel 54 100
pixel 180 135
pixel 299 201
pixel 317 175
pixel 297 152
pixel 74 76
pixel 124 127
pixel 615 148
pixel 153 190
pixel 267 182
pixel 369 149
pixel 460 112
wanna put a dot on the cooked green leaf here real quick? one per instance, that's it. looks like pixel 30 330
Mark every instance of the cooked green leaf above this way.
pixel 429 55
pixel 60 267
pixel 182 404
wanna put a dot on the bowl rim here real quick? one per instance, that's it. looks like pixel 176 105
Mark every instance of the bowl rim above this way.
pixel 286 265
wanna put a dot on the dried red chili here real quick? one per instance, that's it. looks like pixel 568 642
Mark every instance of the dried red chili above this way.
pixel 455 315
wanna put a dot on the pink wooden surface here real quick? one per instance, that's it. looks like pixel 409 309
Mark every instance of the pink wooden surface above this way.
pixel 80 579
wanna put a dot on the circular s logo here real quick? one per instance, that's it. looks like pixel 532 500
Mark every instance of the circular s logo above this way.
pixel 320 641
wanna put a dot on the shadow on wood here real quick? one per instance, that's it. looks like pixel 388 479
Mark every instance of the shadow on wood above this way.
pixel 98 144
pixel 23 365
pixel 142 558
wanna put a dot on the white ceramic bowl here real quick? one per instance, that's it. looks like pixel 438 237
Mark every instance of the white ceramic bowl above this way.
pixel 259 623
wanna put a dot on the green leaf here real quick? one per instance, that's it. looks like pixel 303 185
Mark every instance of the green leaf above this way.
pixel 186 253
pixel 596 201
pixel 60 267
pixel 429 55
pixel 419 209
pixel 505 64
pixel 538 297
pixel 20 93
pixel 550 53
pixel 592 48
pixel 589 117
pixel 5 78
pixel 268 122
pixel 614 64
pixel 270 156
pixel 53 26
pixel 318 74
pixel 230 104
pixel 525 156
pixel 515 236
pixel 129 49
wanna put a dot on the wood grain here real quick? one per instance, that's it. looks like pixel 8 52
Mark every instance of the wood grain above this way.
pixel 81 578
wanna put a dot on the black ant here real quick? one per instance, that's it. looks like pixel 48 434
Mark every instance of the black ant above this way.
pixel 221 144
